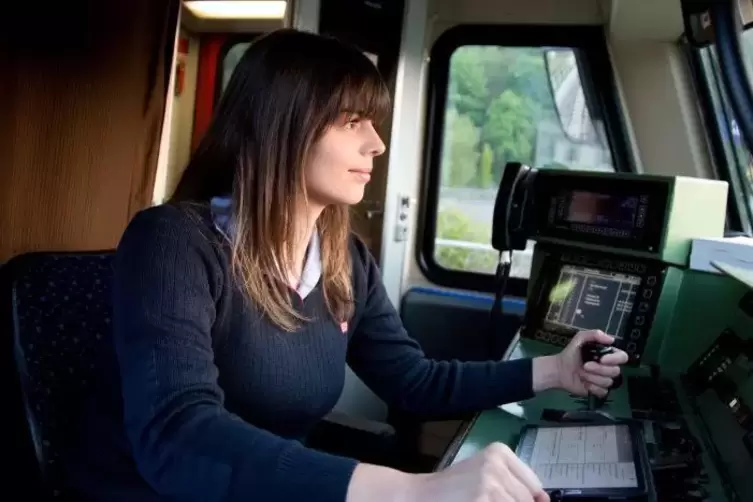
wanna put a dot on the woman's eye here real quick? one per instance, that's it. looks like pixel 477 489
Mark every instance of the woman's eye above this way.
pixel 353 123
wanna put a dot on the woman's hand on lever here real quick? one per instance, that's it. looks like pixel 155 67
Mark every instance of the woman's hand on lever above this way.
pixel 494 474
pixel 567 370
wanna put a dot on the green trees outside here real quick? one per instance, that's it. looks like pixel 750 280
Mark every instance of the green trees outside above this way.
pixel 496 98
pixel 452 224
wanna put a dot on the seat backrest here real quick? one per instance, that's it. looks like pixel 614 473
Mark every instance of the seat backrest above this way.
pixel 58 309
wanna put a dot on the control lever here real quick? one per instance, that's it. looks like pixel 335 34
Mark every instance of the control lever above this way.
pixel 592 351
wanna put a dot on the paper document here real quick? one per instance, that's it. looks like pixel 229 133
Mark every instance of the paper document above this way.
pixel 736 251
pixel 584 457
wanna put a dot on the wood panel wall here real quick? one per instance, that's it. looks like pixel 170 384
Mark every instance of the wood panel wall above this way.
pixel 82 99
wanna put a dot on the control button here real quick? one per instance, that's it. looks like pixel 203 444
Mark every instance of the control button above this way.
pixel 643 307
pixel 641 220
pixel 632 347
pixel 639 320
pixel 647 293
pixel 651 280
pixel 635 334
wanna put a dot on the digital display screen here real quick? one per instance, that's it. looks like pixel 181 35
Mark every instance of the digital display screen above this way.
pixel 592 208
pixel 584 457
pixel 585 298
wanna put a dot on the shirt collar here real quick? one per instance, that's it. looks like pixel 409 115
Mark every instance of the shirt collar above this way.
pixel 312 267
pixel 221 209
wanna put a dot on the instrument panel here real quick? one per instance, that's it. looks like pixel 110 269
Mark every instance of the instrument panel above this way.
pixel 579 290
pixel 621 213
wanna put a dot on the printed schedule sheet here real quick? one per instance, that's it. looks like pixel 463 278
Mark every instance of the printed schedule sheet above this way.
pixel 584 457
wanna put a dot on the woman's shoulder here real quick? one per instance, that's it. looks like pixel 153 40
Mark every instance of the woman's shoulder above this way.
pixel 171 218
pixel 171 226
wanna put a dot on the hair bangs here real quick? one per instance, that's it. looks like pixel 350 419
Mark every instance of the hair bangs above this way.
pixel 363 93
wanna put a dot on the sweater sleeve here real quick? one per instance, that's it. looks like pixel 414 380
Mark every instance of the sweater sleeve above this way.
pixel 393 365
pixel 186 445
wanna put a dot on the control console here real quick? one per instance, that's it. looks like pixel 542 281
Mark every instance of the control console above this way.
pixel 675 455
pixel 577 290
pixel 606 246
pixel 699 426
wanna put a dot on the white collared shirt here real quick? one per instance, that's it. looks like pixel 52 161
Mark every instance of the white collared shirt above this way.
pixel 312 266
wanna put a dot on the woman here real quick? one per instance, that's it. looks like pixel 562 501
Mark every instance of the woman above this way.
pixel 238 305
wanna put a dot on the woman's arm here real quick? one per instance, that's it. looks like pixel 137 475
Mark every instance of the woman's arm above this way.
pixel 185 443
pixel 546 373
pixel 392 364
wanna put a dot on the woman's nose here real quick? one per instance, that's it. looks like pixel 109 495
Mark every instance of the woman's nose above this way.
pixel 376 146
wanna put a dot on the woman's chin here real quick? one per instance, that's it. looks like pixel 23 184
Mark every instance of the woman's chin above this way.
pixel 337 196
pixel 348 197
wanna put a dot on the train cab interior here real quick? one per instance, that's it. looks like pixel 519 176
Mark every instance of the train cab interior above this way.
pixel 550 167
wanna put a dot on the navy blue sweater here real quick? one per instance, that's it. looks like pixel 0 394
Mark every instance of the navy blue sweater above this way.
pixel 216 400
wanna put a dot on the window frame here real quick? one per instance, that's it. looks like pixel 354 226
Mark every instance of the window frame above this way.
pixel 710 95
pixel 597 77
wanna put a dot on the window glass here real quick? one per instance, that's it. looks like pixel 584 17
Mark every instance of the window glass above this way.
pixel 747 44
pixel 745 158
pixel 230 61
pixel 500 109
pixel 737 160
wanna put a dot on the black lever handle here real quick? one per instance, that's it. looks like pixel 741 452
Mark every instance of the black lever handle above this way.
pixel 592 351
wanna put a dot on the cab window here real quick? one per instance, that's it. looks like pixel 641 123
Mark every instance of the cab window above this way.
pixel 230 61
pixel 497 102
pixel 733 159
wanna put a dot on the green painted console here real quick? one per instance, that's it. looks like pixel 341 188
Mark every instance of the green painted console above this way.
pixel 634 229
pixel 689 333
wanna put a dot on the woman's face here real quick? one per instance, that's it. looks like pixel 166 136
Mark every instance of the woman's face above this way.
pixel 341 162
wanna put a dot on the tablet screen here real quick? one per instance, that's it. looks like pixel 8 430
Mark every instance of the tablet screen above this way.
pixel 584 457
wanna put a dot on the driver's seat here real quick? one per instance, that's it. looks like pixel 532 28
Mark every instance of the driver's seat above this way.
pixel 56 313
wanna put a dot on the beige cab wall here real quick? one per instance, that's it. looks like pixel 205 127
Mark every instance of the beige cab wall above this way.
pixel 177 141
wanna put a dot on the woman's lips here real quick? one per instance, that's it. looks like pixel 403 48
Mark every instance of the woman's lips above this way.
pixel 362 175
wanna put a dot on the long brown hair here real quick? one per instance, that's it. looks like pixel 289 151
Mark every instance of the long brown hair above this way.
pixel 286 90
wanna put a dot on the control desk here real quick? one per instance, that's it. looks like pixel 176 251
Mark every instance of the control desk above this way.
pixel 612 253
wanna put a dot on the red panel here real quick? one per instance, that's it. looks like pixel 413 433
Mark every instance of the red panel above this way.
pixel 183 45
pixel 209 64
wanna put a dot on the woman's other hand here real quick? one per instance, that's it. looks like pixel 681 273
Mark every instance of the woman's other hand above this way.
pixel 494 474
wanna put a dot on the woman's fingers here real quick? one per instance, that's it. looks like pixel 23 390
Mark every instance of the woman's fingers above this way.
pixel 601 369
pixel 594 379
pixel 615 358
